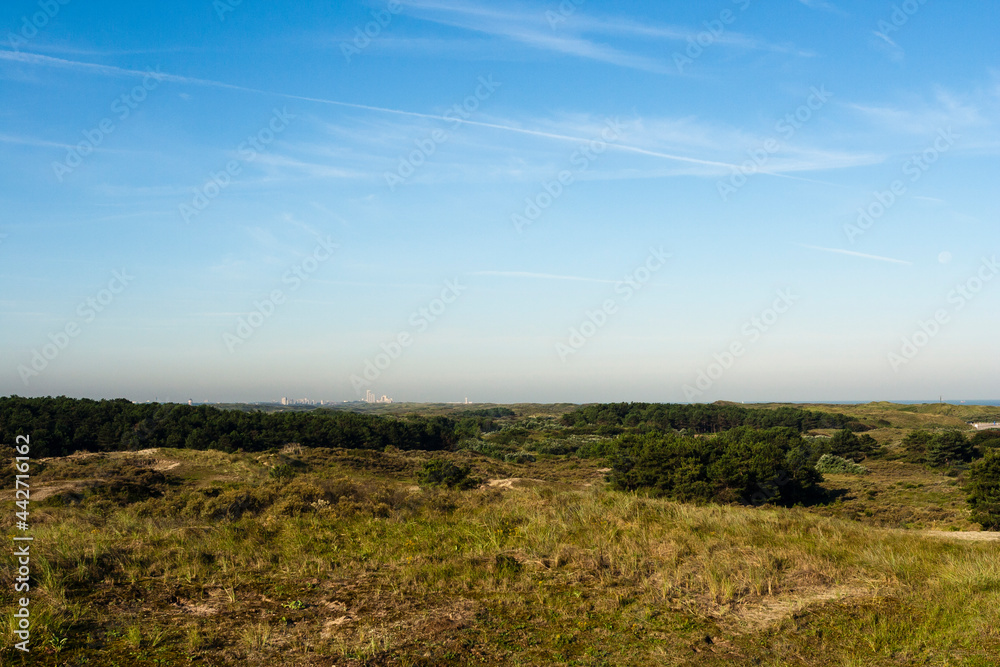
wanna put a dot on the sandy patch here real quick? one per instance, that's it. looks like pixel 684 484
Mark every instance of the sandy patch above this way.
pixel 196 609
pixel 772 610
pixel 977 536
pixel 513 482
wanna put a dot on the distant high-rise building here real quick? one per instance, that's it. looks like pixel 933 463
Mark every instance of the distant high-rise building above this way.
pixel 370 397
pixel 284 400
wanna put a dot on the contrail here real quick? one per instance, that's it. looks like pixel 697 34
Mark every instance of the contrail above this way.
pixel 855 254
pixel 111 70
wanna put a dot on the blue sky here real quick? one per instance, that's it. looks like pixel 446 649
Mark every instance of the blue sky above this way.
pixel 479 200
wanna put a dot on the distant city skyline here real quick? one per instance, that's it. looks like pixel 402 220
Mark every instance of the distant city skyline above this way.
pixel 530 202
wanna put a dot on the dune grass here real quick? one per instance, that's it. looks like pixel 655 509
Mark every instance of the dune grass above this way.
pixel 350 562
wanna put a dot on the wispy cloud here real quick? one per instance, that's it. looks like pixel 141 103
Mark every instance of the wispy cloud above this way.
pixel 855 254
pixel 110 70
pixel 538 276
pixel 894 50
pixel 31 141
pixel 551 130
pixel 824 6
pixel 308 169
pixel 530 27
pixel 928 115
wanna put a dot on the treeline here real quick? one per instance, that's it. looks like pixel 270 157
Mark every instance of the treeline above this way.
pixel 704 418
pixel 61 426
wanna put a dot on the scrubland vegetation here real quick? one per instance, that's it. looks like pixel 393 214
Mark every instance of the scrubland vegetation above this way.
pixel 611 535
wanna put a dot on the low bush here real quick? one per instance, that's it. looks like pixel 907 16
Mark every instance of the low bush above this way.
pixel 553 447
pixel 983 488
pixel 835 465
pixel 986 440
pixel 598 449
pixel 510 436
pixel 846 444
pixel 488 448
pixel 439 472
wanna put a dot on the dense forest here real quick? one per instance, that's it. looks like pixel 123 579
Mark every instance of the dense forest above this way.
pixel 704 418
pixel 61 426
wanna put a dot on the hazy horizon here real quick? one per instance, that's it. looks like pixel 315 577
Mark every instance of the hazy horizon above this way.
pixel 538 202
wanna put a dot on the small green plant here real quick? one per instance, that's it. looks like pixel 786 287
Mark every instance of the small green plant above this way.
pixel 294 604
pixel 57 643
pixel 133 635
pixel 156 636
pixel 195 640
pixel 506 566
pixel 257 635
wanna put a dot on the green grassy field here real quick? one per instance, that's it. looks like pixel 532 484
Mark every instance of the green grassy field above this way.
pixel 339 557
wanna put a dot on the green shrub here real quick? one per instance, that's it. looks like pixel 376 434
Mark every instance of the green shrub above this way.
pixel 557 447
pixel 510 436
pixel 282 471
pixel 439 472
pixel 984 491
pixel 846 444
pixel 986 440
pixel 950 447
pixel 916 444
pixel 597 450
pixel 831 464
pixel 742 465
pixel 490 449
